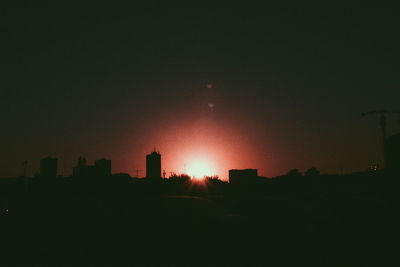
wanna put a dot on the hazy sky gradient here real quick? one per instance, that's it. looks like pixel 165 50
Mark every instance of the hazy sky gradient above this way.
pixel 289 85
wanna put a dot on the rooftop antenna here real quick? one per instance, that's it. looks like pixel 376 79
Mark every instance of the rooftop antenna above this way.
pixel 24 165
pixel 137 172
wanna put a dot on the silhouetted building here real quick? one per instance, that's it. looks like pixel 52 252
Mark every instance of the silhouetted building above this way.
pixel 79 170
pixel 242 176
pixel 82 169
pixel 81 161
pixel 48 167
pixel 153 165
pixel 103 167
pixel 393 152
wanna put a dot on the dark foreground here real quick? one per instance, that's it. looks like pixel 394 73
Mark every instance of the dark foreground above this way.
pixel 291 221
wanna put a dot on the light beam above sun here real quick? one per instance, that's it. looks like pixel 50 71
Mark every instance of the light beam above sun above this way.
pixel 199 167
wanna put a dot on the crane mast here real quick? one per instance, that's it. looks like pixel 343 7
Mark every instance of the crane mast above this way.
pixel 382 122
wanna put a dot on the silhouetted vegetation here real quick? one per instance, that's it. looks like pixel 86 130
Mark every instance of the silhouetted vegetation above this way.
pixel 318 219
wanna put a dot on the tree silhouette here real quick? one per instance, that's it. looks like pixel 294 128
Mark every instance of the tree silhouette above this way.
pixel 312 172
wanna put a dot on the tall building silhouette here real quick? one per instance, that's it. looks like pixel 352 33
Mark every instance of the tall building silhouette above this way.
pixel 103 167
pixel 48 167
pixel 153 165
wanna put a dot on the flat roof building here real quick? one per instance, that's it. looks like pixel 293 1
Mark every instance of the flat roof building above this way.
pixel 103 167
pixel 48 167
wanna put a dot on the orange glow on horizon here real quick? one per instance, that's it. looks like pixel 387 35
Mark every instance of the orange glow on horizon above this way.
pixel 199 167
pixel 208 144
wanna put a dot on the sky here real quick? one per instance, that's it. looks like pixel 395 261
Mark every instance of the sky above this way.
pixel 272 88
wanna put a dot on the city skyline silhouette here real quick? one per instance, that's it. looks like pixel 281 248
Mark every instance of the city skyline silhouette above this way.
pixel 102 217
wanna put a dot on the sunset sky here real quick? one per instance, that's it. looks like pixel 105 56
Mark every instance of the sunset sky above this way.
pixel 268 88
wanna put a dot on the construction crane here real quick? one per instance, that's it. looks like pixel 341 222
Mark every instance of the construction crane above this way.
pixel 382 122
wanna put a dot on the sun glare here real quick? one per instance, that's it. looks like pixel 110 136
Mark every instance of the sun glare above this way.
pixel 198 168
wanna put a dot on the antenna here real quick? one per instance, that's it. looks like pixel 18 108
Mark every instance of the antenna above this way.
pixel 382 122
pixel 137 172
pixel 24 165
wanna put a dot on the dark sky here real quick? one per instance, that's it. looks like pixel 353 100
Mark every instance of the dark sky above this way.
pixel 288 86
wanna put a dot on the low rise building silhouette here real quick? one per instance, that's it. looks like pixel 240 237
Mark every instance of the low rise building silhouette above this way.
pixel 48 167
pixel 81 169
pixel 103 167
pixel 153 165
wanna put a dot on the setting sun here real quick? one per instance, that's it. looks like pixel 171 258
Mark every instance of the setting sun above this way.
pixel 198 168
